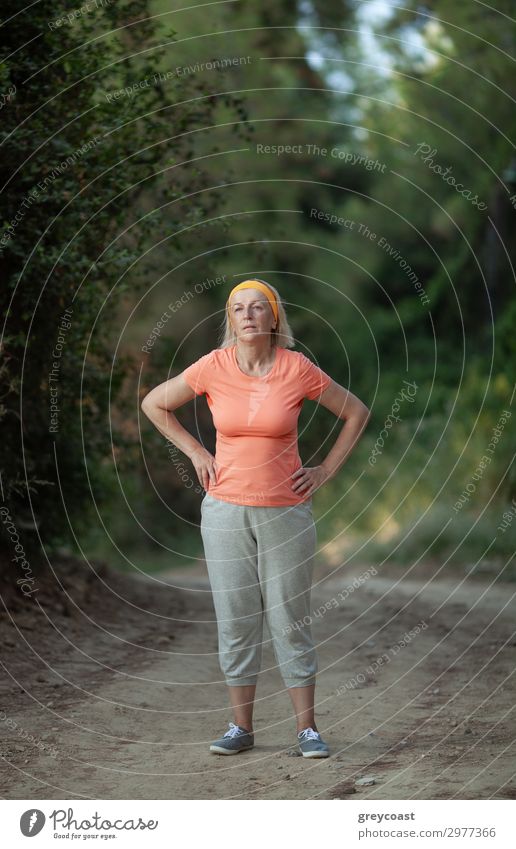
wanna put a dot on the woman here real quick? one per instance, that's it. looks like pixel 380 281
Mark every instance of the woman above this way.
pixel 257 525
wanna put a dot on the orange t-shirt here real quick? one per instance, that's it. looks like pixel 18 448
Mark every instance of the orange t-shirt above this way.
pixel 256 423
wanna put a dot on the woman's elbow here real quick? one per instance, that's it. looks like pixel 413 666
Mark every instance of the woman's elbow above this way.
pixel 147 404
pixel 363 415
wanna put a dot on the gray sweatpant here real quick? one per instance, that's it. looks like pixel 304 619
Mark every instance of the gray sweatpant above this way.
pixel 260 563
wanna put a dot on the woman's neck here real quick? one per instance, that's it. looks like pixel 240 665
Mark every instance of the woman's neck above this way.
pixel 255 357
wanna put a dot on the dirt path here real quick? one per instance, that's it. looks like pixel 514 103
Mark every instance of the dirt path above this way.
pixel 123 703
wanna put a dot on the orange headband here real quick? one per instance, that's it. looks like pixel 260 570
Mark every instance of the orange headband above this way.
pixel 256 284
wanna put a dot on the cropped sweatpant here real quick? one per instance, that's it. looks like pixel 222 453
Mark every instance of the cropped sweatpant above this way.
pixel 260 564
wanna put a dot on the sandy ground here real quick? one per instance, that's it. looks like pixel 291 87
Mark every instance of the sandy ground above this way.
pixel 118 698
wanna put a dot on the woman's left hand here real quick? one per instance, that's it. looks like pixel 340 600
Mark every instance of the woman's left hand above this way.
pixel 306 480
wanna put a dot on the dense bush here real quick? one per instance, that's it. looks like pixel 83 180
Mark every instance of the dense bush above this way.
pixel 82 143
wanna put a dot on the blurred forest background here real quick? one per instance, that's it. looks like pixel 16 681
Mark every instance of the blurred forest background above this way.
pixel 138 188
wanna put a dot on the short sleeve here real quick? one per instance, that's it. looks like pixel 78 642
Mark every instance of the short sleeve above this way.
pixel 199 373
pixel 313 379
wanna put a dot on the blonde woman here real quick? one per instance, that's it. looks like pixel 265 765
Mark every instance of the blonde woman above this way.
pixel 257 525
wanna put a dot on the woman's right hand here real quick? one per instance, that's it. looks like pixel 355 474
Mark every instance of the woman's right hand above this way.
pixel 205 466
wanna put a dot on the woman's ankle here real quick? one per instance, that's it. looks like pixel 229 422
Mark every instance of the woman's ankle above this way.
pixel 304 726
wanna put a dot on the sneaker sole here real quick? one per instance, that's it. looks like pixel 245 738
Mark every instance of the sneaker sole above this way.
pixel 315 754
pixel 220 751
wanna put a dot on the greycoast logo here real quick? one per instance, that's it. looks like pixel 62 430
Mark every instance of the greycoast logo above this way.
pixel 31 822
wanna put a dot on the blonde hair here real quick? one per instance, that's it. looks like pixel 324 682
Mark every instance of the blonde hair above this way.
pixel 281 335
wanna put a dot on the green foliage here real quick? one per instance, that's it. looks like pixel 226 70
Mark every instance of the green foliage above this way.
pixel 176 192
pixel 352 303
pixel 81 150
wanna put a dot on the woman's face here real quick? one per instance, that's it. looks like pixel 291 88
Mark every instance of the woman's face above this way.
pixel 251 314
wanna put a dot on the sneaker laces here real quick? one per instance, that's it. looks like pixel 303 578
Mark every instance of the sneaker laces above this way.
pixel 309 734
pixel 234 730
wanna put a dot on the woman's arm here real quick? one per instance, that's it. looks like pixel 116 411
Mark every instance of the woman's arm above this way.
pixel 355 415
pixel 158 405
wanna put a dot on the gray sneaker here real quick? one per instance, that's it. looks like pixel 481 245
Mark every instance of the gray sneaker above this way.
pixel 235 740
pixel 311 744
